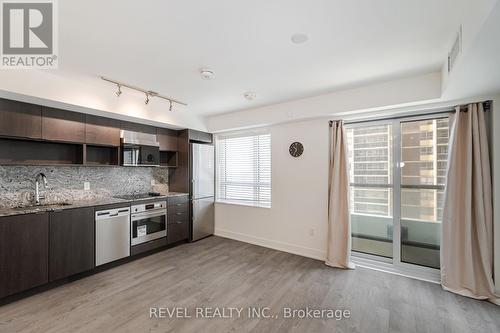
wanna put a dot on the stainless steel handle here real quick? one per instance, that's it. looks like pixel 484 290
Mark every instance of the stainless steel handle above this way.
pixel 160 212
pixel 112 213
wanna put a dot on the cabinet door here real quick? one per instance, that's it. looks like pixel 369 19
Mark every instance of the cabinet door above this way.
pixel 71 242
pixel 167 139
pixel 61 125
pixel 177 230
pixel 19 119
pixel 102 131
pixel 199 136
pixel 24 245
pixel 134 127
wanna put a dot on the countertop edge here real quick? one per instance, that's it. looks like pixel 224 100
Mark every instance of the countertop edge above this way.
pixel 81 204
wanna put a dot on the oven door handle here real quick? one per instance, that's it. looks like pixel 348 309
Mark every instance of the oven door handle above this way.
pixel 140 216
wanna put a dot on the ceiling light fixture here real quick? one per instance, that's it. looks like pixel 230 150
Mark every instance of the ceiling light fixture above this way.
pixel 206 74
pixel 250 95
pixel 119 92
pixel 148 93
pixel 299 38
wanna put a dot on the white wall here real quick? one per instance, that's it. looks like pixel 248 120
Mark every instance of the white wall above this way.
pixel 299 196
pixel 91 95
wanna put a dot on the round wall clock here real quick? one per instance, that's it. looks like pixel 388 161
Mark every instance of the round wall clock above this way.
pixel 296 149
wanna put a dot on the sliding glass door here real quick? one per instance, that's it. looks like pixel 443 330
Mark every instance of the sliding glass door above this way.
pixel 397 179
pixel 371 192
pixel 424 155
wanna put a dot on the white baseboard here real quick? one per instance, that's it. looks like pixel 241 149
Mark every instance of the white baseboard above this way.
pixel 273 244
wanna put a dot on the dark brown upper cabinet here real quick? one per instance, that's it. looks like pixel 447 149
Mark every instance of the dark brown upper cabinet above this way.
pixel 199 136
pixel 128 126
pixel 24 257
pixel 19 119
pixel 102 131
pixel 71 242
pixel 167 139
pixel 61 125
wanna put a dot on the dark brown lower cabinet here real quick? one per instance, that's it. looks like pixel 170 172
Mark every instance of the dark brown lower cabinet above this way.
pixel 72 243
pixel 24 244
pixel 177 231
pixel 177 219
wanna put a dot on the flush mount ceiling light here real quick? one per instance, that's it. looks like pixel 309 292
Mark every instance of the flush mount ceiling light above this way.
pixel 299 38
pixel 250 95
pixel 148 93
pixel 206 74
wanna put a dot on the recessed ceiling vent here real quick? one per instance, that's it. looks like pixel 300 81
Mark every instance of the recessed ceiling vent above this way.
pixel 455 51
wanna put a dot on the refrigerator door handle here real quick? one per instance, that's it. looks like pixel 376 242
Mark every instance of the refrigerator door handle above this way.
pixel 193 217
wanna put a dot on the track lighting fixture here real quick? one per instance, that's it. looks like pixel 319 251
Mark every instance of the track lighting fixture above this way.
pixel 119 92
pixel 148 93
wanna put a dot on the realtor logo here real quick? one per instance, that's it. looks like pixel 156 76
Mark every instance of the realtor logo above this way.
pixel 29 34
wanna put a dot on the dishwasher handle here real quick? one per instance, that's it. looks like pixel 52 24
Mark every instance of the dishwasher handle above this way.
pixel 112 213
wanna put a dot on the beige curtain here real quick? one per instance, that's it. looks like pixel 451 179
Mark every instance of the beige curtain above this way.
pixel 339 227
pixel 467 234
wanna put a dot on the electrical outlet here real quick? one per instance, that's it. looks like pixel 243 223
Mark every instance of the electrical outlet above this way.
pixel 153 183
pixel 86 186
pixel 311 231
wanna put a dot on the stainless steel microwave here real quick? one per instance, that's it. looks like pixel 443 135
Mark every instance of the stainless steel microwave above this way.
pixel 139 149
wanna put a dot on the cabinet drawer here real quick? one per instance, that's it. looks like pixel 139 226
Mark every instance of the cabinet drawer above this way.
pixel 177 216
pixel 177 231
pixel 144 247
pixel 178 208
pixel 180 199
pixel 178 204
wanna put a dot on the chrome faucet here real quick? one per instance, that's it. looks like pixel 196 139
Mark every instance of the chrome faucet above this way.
pixel 39 177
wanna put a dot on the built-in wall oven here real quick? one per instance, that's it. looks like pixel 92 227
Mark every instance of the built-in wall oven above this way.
pixel 148 222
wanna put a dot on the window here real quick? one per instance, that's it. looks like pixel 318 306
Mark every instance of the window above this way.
pixel 244 168
pixel 397 178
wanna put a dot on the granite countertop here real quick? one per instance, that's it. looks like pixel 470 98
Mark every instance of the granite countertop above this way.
pixel 78 204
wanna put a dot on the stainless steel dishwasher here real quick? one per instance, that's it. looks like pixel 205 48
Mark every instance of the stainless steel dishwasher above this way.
pixel 112 235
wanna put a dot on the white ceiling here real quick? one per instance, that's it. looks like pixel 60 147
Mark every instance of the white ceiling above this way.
pixel 161 45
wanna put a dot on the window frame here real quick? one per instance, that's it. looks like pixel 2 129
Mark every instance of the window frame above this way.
pixel 239 134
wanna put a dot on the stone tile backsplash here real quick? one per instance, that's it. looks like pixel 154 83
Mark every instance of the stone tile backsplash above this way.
pixel 17 183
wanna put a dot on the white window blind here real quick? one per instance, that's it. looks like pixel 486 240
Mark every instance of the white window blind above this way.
pixel 244 168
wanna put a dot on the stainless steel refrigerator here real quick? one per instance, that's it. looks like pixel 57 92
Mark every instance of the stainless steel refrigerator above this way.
pixel 202 190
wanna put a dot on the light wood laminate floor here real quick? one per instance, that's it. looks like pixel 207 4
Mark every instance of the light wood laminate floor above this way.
pixel 218 272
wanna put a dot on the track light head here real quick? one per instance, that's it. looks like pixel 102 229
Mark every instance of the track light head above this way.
pixel 119 92
pixel 147 99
